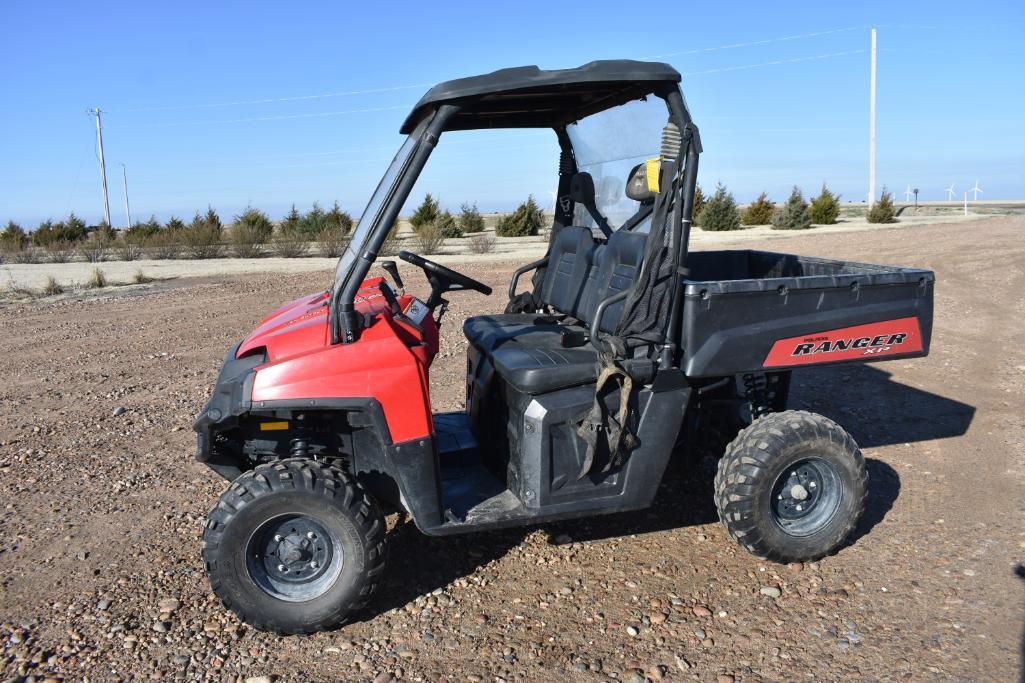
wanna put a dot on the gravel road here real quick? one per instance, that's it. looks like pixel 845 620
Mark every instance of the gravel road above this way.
pixel 103 506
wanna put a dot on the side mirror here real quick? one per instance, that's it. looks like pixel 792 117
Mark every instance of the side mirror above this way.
pixel 393 270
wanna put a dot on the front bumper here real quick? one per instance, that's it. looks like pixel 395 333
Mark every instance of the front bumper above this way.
pixel 231 398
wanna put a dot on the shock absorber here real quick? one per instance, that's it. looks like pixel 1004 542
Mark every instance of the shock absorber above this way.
pixel 757 393
pixel 299 448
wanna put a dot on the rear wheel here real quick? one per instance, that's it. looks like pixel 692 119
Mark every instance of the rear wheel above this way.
pixel 294 546
pixel 791 487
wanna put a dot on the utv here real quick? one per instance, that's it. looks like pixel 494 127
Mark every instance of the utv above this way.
pixel 625 349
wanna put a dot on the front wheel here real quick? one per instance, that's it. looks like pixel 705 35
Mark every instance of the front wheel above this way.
pixel 791 487
pixel 294 546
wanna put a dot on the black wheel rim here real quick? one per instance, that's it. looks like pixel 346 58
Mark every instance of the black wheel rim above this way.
pixel 806 497
pixel 293 558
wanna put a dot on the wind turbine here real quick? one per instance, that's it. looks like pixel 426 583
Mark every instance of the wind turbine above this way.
pixel 907 194
pixel 950 193
pixel 976 190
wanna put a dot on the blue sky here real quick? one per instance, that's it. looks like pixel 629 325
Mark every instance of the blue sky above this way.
pixel 951 97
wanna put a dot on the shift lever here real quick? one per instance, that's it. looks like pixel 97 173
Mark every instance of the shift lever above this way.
pixel 390 268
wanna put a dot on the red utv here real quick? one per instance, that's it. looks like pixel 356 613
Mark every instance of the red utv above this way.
pixel 625 348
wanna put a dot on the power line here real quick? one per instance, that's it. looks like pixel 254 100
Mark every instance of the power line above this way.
pixel 299 98
pixel 755 43
pixel 774 63
pixel 260 118
pixel 272 100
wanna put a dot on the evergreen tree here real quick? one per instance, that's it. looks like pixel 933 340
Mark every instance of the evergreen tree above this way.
pixel 699 203
pixel 825 208
pixel 720 212
pixel 470 219
pixel 883 211
pixel 290 223
pixel 794 214
pixel 427 213
pixel 446 223
pixel 526 220
pixel 759 212
pixel 339 220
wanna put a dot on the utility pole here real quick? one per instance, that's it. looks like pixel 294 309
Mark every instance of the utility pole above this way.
pixel 128 209
pixel 872 128
pixel 103 166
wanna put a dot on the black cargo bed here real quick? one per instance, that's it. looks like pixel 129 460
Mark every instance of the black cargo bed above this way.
pixel 748 311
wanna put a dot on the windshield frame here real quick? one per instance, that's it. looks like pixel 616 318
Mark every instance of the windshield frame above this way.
pixel 380 214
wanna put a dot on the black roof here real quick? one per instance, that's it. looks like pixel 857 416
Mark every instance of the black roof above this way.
pixel 528 97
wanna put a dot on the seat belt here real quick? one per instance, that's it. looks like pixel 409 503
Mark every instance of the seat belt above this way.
pixel 619 436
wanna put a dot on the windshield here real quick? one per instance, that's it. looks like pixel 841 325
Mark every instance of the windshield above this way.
pixel 608 145
pixel 361 234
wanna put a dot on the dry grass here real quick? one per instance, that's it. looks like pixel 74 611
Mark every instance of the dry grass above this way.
pixel 51 287
pixel 482 243
pixel 97 279
pixel 140 278
pixel 429 240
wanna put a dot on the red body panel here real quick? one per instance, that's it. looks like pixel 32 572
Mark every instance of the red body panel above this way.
pixel 861 342
pixel 389 362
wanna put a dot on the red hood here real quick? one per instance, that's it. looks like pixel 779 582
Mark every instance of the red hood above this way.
pixel 300 326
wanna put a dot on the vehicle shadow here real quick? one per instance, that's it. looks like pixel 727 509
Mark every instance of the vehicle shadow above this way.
pixel 876 410
pixel 1019 571
pixel 863 399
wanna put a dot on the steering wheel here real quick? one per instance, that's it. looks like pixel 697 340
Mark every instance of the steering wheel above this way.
pixel 442 279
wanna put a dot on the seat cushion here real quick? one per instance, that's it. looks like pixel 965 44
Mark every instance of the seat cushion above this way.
pixel 487 332
pixel 538 370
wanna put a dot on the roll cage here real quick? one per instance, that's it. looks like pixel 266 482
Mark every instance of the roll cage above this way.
pixel 523 97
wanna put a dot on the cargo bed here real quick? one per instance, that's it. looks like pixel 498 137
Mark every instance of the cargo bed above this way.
pixel 748 311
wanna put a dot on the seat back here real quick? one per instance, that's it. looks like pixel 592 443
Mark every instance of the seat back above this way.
pixel 615 267
pixel 569 262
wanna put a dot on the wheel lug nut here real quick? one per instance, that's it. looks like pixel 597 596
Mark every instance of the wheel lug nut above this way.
pixel 310 535
pixel 278 538
pixel 282 568
pixel 315 565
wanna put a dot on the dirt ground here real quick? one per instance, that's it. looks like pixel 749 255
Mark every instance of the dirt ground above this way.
pixel 103 506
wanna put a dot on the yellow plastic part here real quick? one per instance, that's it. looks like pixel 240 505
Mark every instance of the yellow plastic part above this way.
pixel 273 426
pixel 651 170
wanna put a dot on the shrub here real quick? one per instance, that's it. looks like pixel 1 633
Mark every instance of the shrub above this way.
pixel 699 204
pixel 426 214
pixel 332 242
pixel 141 231
pixel 251 229
pixel 290 223
pixel 60 251
pixel 97 279
pixel 527 219
pixel 339 220
pixel 429 239
pixel 174 225
pixel 255 225
pixel 392 242
pixel 71 230
pixel 96 248
pixel 758 212
pixel 470 219
pixel 13 237
pixel 165 244
pixel 290 244
pixel 51 287
pixel 883 211
pixel 825 208
pixel 140 278
pixel 23 254
pixel 794 214
pixel 720 212
pixel 74 228
pixel 202 238
pixel 482 243
pixel 313 222
pixel 447 224
pixel 128 247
